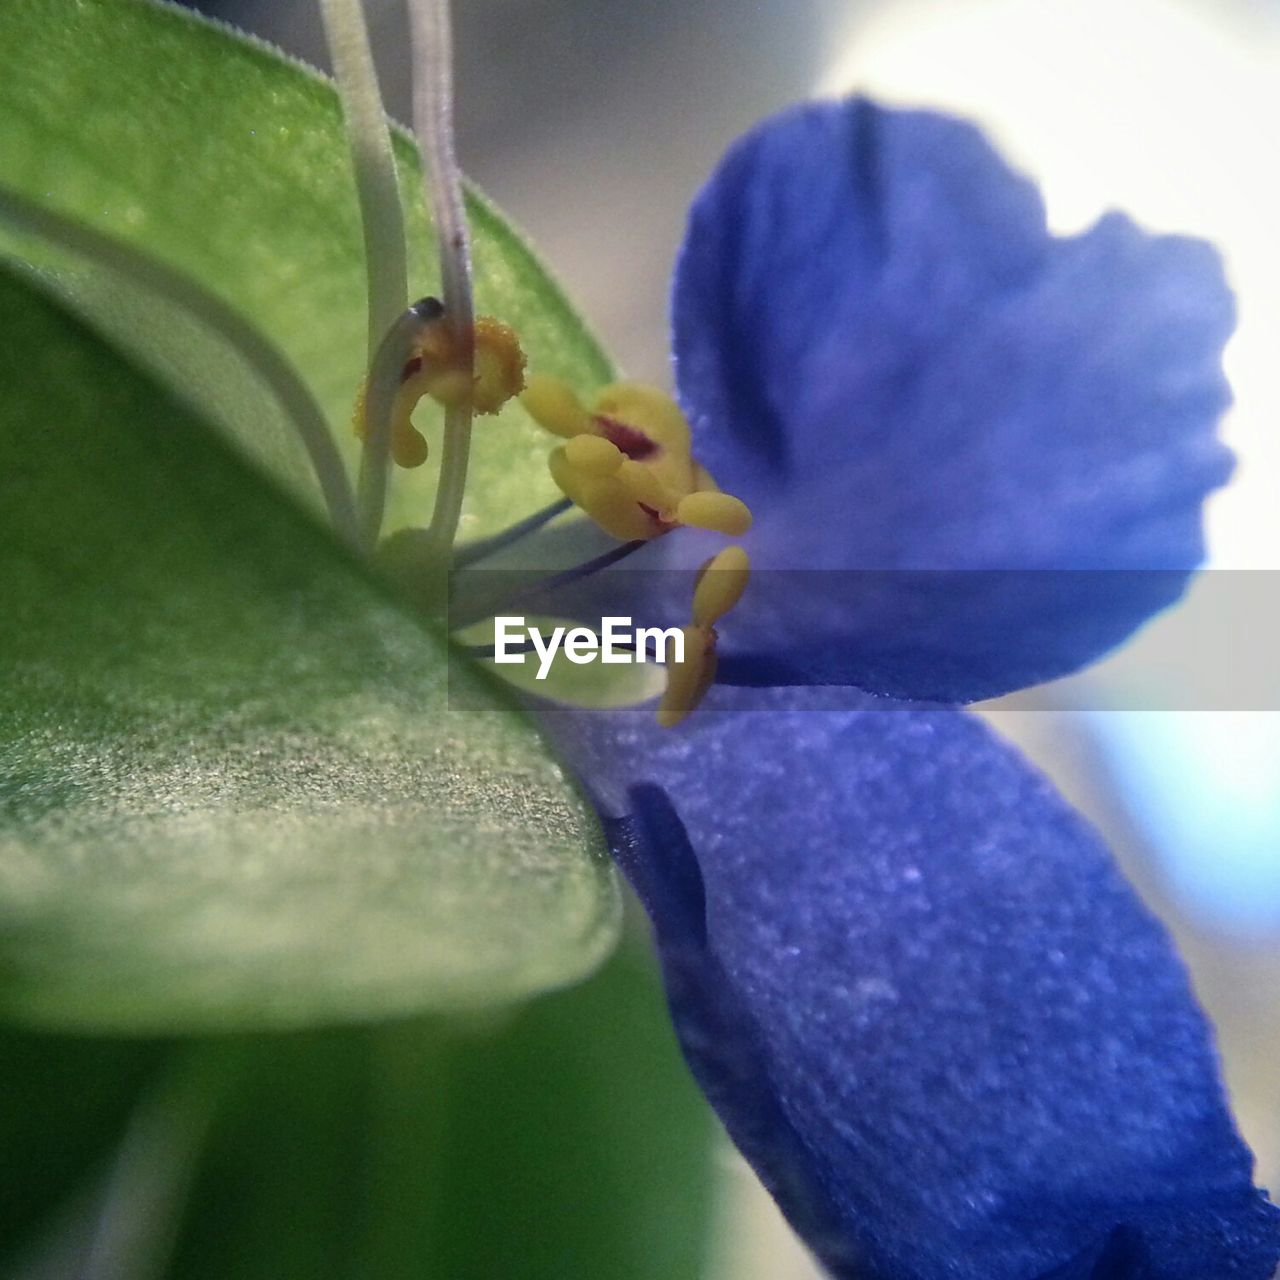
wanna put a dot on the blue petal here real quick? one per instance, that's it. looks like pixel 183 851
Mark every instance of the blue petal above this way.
pixel 924 1002
pixel 883 350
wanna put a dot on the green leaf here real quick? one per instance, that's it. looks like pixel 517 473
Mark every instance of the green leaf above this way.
pixel 561 1140
pixel 238 783
pixel 568 1140
pixel 228 162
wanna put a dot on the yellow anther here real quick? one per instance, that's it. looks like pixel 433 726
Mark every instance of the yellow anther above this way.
pixel 447 387
pixel 435 366
pixel 498 363
pixel 593 455
pixel 648 410
pixel 645 487
pixel 614 510
pixel 721 582
pixel 497 371
pixel 604 497
pixel 720 512
pixel 689 679
pixel 702 481
pixel 662 485
pixel 554 405
pixel 719 586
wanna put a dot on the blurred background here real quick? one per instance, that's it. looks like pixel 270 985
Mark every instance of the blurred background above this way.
pixel 593 122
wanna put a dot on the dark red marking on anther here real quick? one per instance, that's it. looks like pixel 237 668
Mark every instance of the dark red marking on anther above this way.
pixel 411 367
pixel 664 526
pixel 632 441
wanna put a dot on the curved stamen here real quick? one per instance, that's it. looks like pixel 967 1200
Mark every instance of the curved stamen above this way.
pixel 373 161
pixel 382 220
pixel 431 35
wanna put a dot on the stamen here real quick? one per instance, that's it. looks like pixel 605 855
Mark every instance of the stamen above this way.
pixel 431 36
pixel 605 498
pixel 718 587
pixel 382 219
pixel 689 680
pixel 554 406
pixel 473 552
pixel 462 618
pixel 645 487
pixel 498 366
pixel 635 444
pixel 593 456
pixel 628 461
pixel 719 512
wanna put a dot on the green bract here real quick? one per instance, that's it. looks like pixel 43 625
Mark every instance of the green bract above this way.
pixel 227 161
pixel 238 785
pixel 564 1133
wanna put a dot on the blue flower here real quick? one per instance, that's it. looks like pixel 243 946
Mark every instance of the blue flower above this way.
pixel 926 1005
